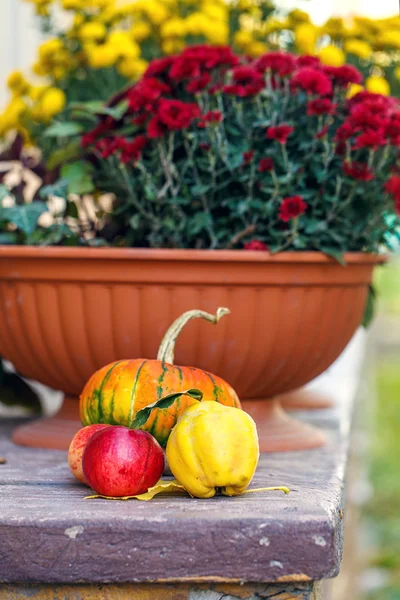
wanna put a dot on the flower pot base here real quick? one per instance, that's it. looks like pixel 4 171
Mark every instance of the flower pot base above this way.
pixel 305 399
pixel 278 432
pixel 52 432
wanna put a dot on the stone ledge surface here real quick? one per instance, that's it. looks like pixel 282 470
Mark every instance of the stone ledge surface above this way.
pixel 49 533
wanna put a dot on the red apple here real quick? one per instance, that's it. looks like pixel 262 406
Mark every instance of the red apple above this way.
pixel 77 447
pixel 122 462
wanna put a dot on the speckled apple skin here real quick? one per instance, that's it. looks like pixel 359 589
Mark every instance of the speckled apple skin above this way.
pixel 77 447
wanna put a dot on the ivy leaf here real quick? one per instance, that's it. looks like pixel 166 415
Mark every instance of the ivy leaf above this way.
pixel 199 222
pixel 70 151
pixel 78 175
pixel 200 189
pixel 369 311
pixel 4 192
pixel 334 253
pixel 65 129
pixel 59 189
pixel 142 416
pixel 8 238
pixel 25 216
pixel 97 107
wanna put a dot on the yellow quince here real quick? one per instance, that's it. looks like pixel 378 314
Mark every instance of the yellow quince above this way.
pixel 213 448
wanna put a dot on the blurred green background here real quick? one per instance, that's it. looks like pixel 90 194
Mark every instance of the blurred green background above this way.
pixel 381 513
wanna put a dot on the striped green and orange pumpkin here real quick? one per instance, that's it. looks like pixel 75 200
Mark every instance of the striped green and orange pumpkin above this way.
pixel 115 393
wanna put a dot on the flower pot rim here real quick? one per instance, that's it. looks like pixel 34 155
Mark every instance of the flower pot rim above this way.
pixel 168 254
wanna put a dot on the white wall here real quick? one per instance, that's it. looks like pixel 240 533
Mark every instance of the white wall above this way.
pixel 19 37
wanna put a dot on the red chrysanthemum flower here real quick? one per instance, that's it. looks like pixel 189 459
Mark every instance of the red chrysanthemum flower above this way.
pixel 344 132
pixel 88 139
pixel 265 165
pixel 255 245
pixel 370 139
pixel 212 116
pixel 280 63
pixel 362 117
pixel 377 103
pixel 308 61
pixel 210 57
pixel 205 147
pixel 291 208
pixel 358 171
pixel 198 84
pixel 159 66
pixel 108 146
pixel 185 68
pixel 175 114
pixel 392 129
pixel 392 186
pixel 132 151
pixel 312 81
pixel 344 75
pixel 155 128
pixel 321 106
pixel 280 133
pixel 246 82
pixel 145 94
pixel 248 157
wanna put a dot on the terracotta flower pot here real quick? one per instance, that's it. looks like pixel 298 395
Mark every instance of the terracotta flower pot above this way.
pixel 66 312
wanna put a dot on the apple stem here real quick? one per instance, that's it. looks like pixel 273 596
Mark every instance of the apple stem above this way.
pixel 167 347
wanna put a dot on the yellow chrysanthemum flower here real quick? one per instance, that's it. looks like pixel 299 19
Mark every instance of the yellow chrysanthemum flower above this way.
pixel 72 4
pixel 377 85
pixel 306 36
pixel 257 48
pixel 156 12
pixel 389 39
pixel 51 103
pixel 50 48
pixel 92 31
pixel 353 89
pixel 299 16
pixel 102 55
pixel 36 92
pixel 17 83
pixel 243 38
pixel 132 69
pixel 13 112
pixel 272 25
pixel 140 31
pixel 196 23
pixel 78 21
pixel 358 48
pixel 216 33
pixel 123 44
pixel 332 56
pixel 334 27
pixel 175 27
pixel 215 11
pixel 172 46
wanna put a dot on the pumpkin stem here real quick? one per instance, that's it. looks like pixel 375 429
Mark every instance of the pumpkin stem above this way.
pixel 167 347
